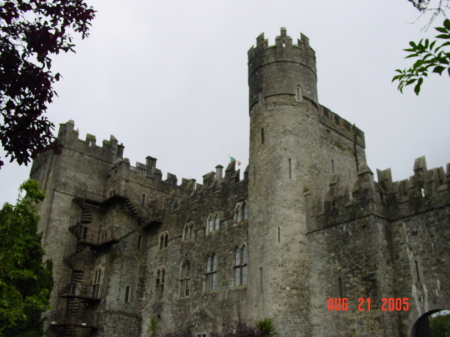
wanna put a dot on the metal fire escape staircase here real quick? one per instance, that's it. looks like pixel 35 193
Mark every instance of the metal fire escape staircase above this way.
pixel 80 296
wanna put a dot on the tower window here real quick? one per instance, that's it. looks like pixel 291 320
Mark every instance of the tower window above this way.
pixel 299 93
pixel 160 276
pixel 127 294
pixel 262 135
pixel 290 170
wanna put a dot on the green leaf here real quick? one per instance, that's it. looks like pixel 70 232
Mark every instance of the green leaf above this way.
pixel 443 36
pixel 441 29
pixel 418 63
pixel 411 81
pixel 432 44
pixel 417 87
pixel 412 55
pixel 447 24
pixel 412 44
pixel 438 69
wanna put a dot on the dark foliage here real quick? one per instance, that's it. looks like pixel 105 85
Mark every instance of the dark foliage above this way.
pixel 30 31
pixel 25 282
pixel 440 326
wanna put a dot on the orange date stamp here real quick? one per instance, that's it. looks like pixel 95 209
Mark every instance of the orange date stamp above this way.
pixel 364 304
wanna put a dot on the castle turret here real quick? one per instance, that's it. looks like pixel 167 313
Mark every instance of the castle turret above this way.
pixel 284 163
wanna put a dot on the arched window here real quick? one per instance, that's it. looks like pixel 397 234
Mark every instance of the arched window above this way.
pixel 211 273
pixel 185 277
pixel 160 276
pixel 241 211
pixel 241 266
pixel 213 222
pixel 188 231
pixel 163 240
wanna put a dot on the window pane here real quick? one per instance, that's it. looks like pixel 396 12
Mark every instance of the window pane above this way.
pixel 245 212
pixel 238 216
pixel 244 255
pixel 217 224
pixel 188 267
pixel 237 260
pixel 191 232
pixel 182 288
pixel 210 224
pixel 187 287
pixel 214 266
pixel 208 265
pixel 214 281
pixel 237 276
pixel 244 275
pixel 208 282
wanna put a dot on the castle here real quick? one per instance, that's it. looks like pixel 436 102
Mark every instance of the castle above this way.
pixel 305 236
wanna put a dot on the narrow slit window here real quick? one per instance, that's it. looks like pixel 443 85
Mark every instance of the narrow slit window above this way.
pixel 261 279
pixel 127 294
pixel 341 294
pixel 290 170
pixel 279 234
pixel 262 135
pixel 417 271
pixel 332 165
pixel 139 244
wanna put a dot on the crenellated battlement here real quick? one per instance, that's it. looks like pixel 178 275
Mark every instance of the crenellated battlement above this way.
pixel 283 49
pixel 69 137
pixel 341 125
pixel 426 190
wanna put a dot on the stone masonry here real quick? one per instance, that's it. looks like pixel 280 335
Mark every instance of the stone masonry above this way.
pixel 305 236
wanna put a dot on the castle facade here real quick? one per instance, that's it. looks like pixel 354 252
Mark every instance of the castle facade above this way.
pixel 305 236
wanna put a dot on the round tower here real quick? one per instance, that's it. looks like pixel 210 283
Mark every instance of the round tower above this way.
pixel 284 164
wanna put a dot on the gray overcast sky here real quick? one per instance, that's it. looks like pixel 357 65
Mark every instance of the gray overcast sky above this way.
pixel 169 80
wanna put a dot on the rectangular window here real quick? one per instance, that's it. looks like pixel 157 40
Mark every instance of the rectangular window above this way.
pixel 127 294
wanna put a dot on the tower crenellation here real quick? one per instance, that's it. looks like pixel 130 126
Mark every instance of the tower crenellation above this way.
pixel 282 69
